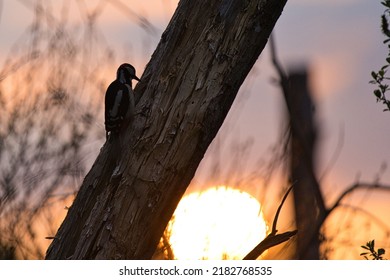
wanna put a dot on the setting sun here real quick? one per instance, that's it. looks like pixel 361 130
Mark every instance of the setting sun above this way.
pixel 219 223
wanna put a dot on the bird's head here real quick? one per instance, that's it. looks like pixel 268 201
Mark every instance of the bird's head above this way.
pixel 126 73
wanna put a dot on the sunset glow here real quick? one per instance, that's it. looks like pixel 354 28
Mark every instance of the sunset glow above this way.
pixel 59 57
pixel 220 223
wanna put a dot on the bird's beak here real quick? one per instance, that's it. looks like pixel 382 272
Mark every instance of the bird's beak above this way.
pixel 136 78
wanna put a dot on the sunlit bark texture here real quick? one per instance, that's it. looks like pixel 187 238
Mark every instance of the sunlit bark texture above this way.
pixel 185 94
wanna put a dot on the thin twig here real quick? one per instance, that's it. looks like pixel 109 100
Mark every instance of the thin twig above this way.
pixel 272 238
pixel 274 230
pixel 353 188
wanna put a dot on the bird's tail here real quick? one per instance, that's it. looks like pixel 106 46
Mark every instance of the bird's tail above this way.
pixel 114 150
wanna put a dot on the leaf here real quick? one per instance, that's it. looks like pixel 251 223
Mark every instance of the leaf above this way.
pixel 378 94
pixel 381 251
pixel 371 244
pixel 374 75
pixel 385 25
pixel 383 88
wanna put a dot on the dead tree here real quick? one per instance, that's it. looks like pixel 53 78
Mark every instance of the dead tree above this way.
pixel 310 209
pixel 185 94
pixel 307 191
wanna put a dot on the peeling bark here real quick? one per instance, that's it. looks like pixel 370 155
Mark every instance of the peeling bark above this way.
pixel 184 95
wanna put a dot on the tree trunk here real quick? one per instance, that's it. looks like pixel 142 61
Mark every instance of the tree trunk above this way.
pixel 309 205
pixel 184 95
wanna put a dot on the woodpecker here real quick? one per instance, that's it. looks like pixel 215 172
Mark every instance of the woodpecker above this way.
pixel 119 100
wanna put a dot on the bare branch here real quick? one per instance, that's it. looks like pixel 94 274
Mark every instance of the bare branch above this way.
pixel 355 187
pixel 274 230
pixel 269 242
pixel 272 239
